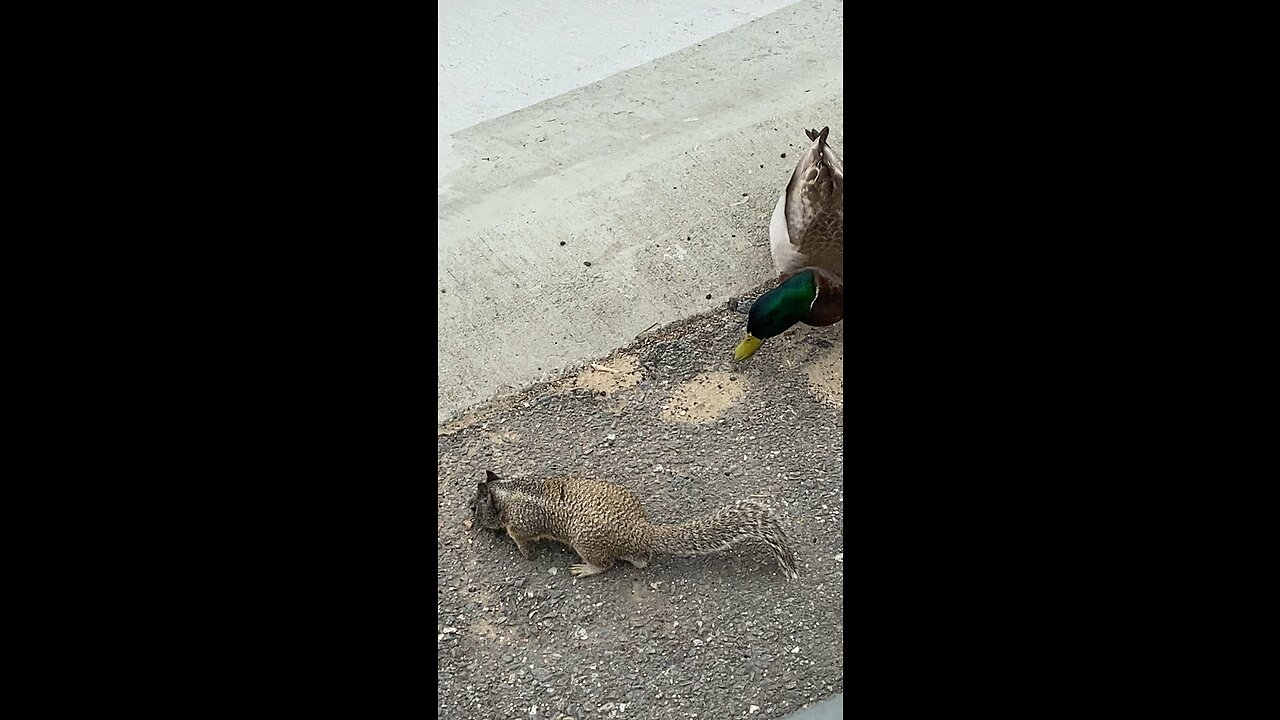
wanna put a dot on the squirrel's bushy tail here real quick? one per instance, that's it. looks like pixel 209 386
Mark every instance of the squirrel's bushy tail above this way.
pixel 744 521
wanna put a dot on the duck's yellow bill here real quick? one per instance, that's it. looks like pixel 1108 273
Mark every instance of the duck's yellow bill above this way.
pixel 748 347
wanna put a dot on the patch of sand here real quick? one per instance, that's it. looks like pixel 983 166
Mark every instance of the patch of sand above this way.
pixel 617 374
pixel 509 437
pixel 705 397
pixel 826 376
pixel 457 424
pixel 819 354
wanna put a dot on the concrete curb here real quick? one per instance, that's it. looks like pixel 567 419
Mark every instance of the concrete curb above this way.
pixel 830 709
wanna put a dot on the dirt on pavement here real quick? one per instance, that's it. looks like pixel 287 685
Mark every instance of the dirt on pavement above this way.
pixel 688 430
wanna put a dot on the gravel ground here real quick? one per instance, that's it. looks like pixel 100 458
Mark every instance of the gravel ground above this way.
pixel 673 418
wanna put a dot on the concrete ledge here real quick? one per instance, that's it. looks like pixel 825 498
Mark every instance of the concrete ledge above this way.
pixel 830 709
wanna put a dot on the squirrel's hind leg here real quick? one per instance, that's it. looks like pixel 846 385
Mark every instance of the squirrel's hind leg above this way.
pixel 593 562
pixel 585 569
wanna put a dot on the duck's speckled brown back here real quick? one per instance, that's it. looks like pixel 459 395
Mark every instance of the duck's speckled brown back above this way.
pixel 807 229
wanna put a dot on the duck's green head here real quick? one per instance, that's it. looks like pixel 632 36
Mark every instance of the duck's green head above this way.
pixel 777 310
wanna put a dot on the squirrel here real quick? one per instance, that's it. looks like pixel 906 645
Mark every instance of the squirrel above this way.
pixel 603 522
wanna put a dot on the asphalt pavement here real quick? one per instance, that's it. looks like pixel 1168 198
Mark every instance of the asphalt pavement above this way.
pixel 675 419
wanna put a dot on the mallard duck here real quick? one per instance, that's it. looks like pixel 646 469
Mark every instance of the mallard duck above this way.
pixel 806 237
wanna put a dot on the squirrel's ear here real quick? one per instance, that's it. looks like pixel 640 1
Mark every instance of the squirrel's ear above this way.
pixel 482 489
pixel 488 475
